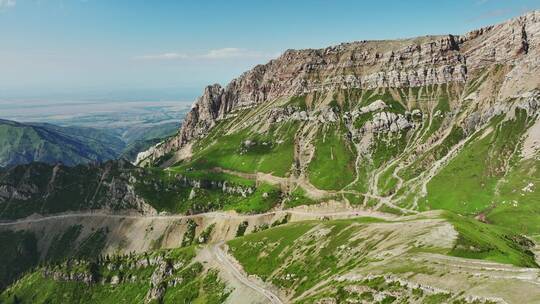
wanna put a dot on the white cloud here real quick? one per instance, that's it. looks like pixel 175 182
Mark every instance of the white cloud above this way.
pixel 164 56
pixel 491 14
pixel 7 4
pixel 232 53
pixel 216 54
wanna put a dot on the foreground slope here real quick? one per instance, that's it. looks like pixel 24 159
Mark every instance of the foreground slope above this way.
pixel 412 260
pixel 429 258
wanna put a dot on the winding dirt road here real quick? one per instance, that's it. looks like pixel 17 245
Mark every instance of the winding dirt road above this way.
pixel 223 215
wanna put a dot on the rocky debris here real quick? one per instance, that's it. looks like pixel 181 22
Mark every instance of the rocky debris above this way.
pixel 292 113
pixel 388 121
pixel 528 188
pixel 326 301
pixel 58 275
pixel 372 107
pixel 412 292
pixel 182 181
pixel 192 194
pixel 22 193
pixel 528 101
pixel 416 113
pixel 224 186
pixel 157 282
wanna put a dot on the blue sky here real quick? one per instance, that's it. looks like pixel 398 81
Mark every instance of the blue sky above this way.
pixel 136 49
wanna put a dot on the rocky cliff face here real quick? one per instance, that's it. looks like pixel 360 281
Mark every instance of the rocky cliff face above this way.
pixel 416 62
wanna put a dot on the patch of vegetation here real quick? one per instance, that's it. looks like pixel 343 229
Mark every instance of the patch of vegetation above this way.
pixel 387 182
pixel 384 289
pixel 388 146
pixel 93 245
pixel 515 204
pixel 172 190
pixel 298 101
pixel 467 183
pixel 64 244
pixel 426 160
pixel 242 229
pixel 294 257
pixel 271 152
pixel 332 166
pixel 265 198
pixel 437 298
pixel 189 235
pixel 121 279
pixel 205 236
pixel 478 240
pixel 282 221
pixel 60 188
pixel 19 254
pixel 244 251
pixel 298 197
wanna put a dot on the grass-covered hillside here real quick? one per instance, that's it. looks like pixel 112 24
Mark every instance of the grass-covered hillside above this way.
pixel 23 252
pixel 367 260
pixel 24 143
pixel 165 276
pixel 47 189
pixel 398 150
pixel 118 186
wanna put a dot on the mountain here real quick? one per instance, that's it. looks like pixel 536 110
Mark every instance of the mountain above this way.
pixel 139 139
pixel 436 122
pixel 43 189
pixel 28 142
pixel 117 185
pixel 401 171
pixel 22 143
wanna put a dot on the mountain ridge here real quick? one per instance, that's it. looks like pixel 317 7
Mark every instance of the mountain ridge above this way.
pixel 26 142
pixel 441 59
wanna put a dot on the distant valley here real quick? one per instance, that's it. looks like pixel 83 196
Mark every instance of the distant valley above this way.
pixel 106 130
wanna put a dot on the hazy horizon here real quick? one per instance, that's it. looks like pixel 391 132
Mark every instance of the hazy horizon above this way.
pixel 97 50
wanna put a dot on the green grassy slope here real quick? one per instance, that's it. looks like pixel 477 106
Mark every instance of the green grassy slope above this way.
pixel 467 184
pixel 19 254
pixel 245 151
pixel 45 189
pixel 478 240
pixel 332 166
pixel 177 195
pixel 121 279
pixel 308 256
pixel 24 143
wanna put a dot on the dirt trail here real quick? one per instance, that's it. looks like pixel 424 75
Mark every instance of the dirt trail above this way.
pixel 215 215
pixel 230 266
pixel 284 182
pixel 139 233
pixel 482 268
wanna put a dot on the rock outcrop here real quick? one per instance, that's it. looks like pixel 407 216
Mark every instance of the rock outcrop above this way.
pixel 412 62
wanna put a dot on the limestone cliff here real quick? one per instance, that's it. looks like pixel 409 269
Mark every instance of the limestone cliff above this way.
pixel 412 62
